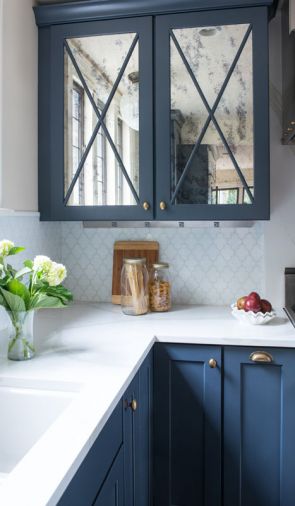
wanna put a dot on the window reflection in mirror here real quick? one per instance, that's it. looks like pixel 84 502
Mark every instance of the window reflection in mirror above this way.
pixel 212 161
pixel 101 76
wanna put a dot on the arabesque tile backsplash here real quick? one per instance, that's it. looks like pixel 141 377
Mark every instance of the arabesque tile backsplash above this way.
pixel 208 266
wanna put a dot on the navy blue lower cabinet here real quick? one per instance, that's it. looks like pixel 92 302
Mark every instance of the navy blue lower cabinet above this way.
pixel 259 424
pixel 90 477
pixel 187 425
pixel 137 421
pixel 112 491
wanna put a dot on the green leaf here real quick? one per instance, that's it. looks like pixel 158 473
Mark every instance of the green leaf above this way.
pixel 15 250
pixel 10 268
pixel 17 288
pixel 5 280
pixel 41 300
pixel 3 302
pixel 22 272
pixel 29 264
pixel 14 302
pixel 61 292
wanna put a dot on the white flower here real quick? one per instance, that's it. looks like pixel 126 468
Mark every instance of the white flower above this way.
pixel 5 247
pixel 42 264
pixel 56 274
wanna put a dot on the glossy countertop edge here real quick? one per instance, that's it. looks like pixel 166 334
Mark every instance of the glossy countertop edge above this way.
pixel 43 474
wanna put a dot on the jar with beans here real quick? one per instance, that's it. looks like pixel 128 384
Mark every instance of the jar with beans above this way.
pixel 160 288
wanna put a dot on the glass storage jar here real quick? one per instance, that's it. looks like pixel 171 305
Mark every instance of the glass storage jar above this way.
pixel 134 286
pixel 160 288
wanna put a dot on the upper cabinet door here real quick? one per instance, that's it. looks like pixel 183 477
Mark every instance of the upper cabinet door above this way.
pixel 212 129
pixel 97 161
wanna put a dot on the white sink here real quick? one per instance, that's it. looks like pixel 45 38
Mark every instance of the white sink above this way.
pixel 27 410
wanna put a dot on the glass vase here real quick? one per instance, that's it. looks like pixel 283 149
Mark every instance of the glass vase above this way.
pixel 21 340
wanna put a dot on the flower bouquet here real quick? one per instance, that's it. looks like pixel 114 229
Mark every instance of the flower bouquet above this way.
pixel 35 286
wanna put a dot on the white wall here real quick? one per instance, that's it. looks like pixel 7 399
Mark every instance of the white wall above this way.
pixel 18 149
pixel 279 233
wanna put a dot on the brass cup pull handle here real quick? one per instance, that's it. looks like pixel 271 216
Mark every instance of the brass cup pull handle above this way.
pixel 163 205
pixel 261 356
pixel 146 206
pixel 133 404
pixel 212 363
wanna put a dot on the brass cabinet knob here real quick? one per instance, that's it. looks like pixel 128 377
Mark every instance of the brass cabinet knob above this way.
pixel 261 356
pixel 146 206
pixel 212 363
pixel 133 404
pixel 163 205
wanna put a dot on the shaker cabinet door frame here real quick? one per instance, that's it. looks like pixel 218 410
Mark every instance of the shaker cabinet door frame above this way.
pixel 257 18
pixel 52 191
pixel 259 421
pixel 187 424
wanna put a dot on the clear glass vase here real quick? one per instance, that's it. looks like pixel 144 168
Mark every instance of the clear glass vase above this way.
pixel 21 340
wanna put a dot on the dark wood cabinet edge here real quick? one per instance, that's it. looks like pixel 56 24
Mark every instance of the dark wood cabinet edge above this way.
pixel 108 9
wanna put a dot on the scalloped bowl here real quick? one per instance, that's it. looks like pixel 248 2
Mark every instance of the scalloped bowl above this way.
pixel 250 317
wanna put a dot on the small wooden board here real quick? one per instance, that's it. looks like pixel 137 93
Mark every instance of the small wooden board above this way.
pixel 131 249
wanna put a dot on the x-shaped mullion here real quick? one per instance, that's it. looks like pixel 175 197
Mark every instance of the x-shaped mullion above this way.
pixel 100 123
pixel 211 116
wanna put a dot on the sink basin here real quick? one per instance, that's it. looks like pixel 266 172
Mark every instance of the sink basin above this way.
pixel 27 410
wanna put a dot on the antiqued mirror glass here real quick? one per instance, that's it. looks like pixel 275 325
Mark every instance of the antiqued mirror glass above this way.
pixel 212 159
pixel 101 120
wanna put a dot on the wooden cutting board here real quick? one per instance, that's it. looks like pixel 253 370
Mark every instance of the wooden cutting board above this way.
pixel 131 249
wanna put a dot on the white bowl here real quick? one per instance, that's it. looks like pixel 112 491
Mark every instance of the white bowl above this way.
pixel 250 317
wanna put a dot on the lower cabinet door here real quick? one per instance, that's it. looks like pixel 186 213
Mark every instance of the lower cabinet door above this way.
pixel 92 473
pixel 137 423
pixel 112 491
pixel 187 425
pixel 259 427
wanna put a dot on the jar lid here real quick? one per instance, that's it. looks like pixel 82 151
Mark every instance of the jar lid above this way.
pixel 161 265
pixel 134 261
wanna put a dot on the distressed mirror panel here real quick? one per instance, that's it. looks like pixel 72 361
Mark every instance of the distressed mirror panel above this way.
pixel 212 158
pixel 101 124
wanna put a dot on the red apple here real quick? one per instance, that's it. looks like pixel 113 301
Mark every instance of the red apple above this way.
pixel 241 302
pixel 253 294
pixel 265 306
pixel 252 304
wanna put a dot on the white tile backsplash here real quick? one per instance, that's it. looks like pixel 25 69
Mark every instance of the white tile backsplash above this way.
pixel 208 266
pixel 39 238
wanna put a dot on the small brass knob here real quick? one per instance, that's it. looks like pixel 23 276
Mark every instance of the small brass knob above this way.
pixel 133 404
pixel 163 205
pixel 146 206
pixel 212 363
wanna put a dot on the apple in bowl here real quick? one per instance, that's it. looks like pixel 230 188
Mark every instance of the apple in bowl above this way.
pixel 252 309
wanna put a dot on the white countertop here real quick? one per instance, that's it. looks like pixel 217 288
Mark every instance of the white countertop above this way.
pixel 98 349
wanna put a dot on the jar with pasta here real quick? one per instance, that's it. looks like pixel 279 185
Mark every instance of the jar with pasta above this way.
pixel 160 288
pixel 134 287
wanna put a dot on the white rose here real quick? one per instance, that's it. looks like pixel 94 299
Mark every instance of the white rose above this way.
pixel 42 264
pixel 5 247
pixel 57 274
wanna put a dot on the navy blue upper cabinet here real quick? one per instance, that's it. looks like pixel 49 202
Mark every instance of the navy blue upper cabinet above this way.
pixel 187 425
pixel 259 421
pixel 95 120
pixel 154 115
pixel 212 115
